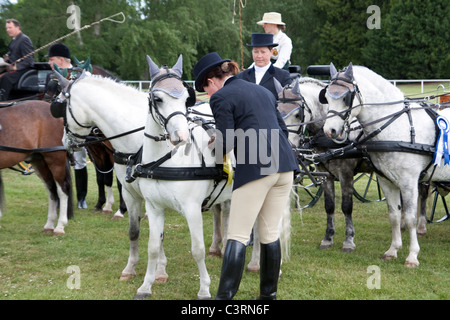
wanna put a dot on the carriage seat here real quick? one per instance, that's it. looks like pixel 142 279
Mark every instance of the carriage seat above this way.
pixel 295 71
pixel 34 80
pixel 318 70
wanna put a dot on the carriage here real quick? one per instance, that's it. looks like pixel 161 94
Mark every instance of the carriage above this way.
pixel 31 84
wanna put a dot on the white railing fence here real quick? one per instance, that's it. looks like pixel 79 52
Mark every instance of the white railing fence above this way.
pixel 442 85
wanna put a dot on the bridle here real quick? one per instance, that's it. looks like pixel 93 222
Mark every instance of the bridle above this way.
pixel 153 103
pixel 59 107
pixel 301 106
pixel 348 97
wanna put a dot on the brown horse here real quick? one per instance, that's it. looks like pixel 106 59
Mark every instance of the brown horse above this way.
pixel 30 133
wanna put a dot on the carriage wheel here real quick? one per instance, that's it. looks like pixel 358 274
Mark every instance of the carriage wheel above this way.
pixel 438 207
pixel 308 193
pixel 25 168
pixel 366 188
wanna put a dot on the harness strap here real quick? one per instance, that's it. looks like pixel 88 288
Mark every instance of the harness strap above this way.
pixel 38 150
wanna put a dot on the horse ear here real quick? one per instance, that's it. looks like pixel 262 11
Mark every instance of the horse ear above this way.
pixel 333 70
pixel 349 71
pixel 87 65
pixel 153 68
pixel 178 67
pixel 77 62
pixel 296 88
pixel 278 86
pixel 62 81
pixel 83 75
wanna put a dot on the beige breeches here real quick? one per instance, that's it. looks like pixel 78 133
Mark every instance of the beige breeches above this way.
pixel 263 200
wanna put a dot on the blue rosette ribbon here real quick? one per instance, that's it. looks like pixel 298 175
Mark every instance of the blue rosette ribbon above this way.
pixel 441 149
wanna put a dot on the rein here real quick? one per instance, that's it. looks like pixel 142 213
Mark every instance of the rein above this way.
pixel 100 140
pixel 37 150
pixel 379 146
pixel 432 106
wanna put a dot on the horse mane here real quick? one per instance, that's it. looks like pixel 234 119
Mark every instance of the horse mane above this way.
pixel 377 86
pixel 103 72
pixel 307 80
pixel 113 83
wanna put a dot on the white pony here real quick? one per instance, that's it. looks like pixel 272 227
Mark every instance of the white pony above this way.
pixel 168 117
pixel 352 94
pixel 299 104
pixel 108 105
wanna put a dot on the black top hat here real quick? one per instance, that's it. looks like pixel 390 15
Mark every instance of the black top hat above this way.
pixel 262 40
pixel 205 65
pixel 59 50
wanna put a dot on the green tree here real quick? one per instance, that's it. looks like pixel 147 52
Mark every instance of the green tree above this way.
pixel 413 41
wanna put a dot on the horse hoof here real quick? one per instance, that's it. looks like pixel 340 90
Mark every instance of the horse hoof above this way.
pixel 204 298
pixel 126 277
pixel 411 264
pixel 388 258
pixel 421 233
pixel 253 267
pixel 106 212
pixel 348 250
pixel 58 233
pixel 325 246
pixel 215 254
pixel 162 279
pixel 47 231
pixel 142 296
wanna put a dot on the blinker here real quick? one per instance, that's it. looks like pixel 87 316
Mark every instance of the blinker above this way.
pixel 58 108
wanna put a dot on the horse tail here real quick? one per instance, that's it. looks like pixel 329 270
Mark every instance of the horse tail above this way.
pixel 285 231
pixel 285 225
pixel 2 195
pixel 68 184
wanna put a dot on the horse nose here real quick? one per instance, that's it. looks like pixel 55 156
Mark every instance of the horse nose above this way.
pixel 180 136
pixel 331 133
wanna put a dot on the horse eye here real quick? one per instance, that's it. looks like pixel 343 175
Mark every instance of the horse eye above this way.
pixel 157 99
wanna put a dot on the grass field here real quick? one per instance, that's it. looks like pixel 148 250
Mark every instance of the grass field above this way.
pixel 38 266
pixel 35 266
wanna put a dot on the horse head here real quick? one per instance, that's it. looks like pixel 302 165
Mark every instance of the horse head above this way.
pixel 76 133
pixel 340 95
pixel 298 104
pixel 169 99
pixel 293 109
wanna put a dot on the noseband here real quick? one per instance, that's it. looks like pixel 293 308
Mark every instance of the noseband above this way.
pixel 153 101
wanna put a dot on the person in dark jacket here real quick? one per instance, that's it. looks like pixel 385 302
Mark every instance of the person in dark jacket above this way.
pixel 59 54
pixel 19 47
pixel 248 123
pixel 263 72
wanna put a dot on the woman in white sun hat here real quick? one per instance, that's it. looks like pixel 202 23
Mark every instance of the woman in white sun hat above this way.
pixel 272 23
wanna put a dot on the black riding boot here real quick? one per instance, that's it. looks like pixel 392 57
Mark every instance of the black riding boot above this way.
pixel 81 181
pixel 270 270
pixel 232 268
